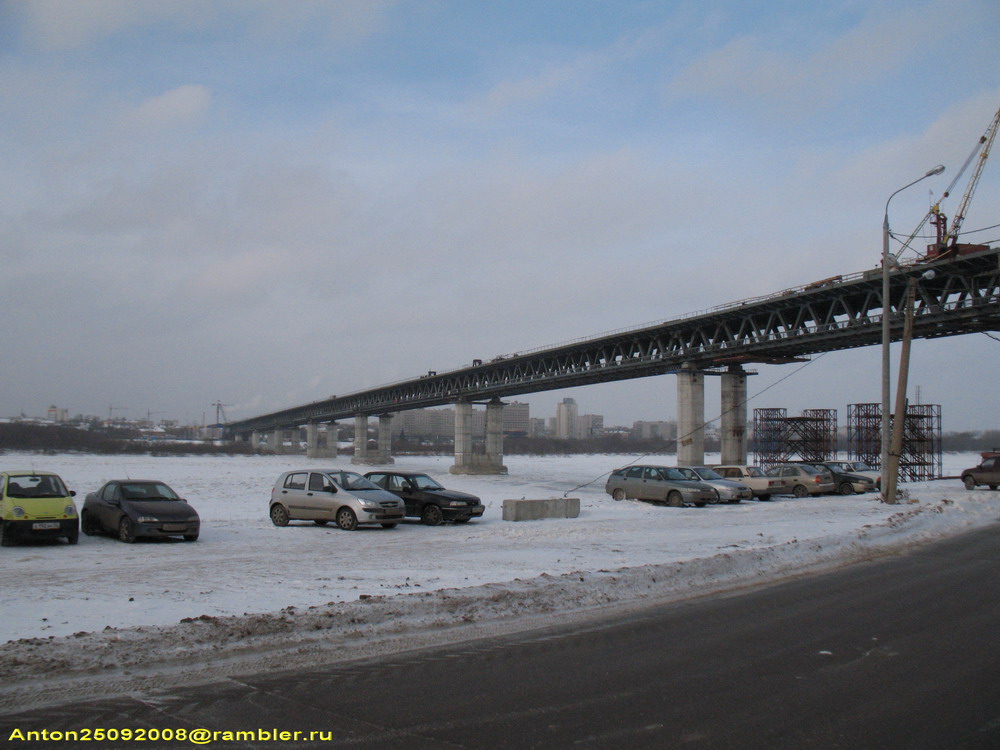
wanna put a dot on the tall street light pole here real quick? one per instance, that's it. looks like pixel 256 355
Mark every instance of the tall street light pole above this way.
pixel 886 328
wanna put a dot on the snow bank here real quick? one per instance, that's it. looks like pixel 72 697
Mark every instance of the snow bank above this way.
pixel 249 597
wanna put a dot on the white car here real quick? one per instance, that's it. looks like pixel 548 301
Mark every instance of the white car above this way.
pixel 759 483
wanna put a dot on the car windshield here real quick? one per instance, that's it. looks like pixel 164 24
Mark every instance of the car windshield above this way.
pixel 707 474
pixel 148 491
pixel 35 485
pixel 349 480
pixel 754 471
pixel 672 474
pixel 858 466
pixel 424 482
pixel 809 469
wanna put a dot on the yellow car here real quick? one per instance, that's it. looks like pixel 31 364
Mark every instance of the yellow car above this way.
pixel 36 505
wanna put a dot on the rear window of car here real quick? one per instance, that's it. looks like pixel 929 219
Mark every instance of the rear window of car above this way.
pixel 296 481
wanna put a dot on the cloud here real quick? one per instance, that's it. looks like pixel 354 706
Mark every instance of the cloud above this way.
pixel 180 106
pixel 792 79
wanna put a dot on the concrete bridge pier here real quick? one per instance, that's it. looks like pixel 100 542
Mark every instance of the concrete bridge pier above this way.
pixel 255 440
pixel 734 416
pixel 276 441
pixel 690 417
pixel 380 456
pixel 489 459
pixel 314 447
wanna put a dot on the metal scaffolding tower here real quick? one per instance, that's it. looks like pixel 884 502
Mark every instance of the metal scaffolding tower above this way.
pixel 921 457
pixel 778 438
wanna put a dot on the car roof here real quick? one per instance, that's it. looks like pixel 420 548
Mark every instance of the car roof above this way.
pixel 28 473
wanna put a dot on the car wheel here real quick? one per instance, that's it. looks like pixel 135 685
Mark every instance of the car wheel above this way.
pixel 125 531
pixel 190 537
pixel 764 498
pixel 388 526
pixel 432 515
pixel 279 516
pixel 73 538
pixel 618 494
pixel 970 483
pixel 674 500
pixel 800 491
pixel 993 487
pixel 320 521
pixel 6 538
pixel 87 524
pixel 846 488
pixel 346 519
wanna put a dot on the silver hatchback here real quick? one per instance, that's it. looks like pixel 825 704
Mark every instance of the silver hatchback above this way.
pixel 661 484
pixel 324 495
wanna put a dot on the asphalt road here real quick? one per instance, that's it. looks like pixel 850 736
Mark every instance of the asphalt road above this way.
pixel 900 653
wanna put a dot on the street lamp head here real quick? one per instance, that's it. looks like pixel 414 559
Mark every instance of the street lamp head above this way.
pixel 937 170
pixel 928 274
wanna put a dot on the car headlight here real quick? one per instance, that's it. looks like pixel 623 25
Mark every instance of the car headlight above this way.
pixel 457 504
pixel 369 505
pixel 148 519
pixel 18 511
pixel 192 519
pixel 70 510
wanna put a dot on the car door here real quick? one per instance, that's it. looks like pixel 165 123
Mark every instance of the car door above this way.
pixel 109 506
pixel 403 488
pixel 632 482
pixel 319 497
pixel 991 471
pixel 654 486
pixel 293 495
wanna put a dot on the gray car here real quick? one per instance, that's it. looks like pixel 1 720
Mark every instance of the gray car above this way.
pixel 729 491
pixel 806 480
pixel 660 484
pixel 324 495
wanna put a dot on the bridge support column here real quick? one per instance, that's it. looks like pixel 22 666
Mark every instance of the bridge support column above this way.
pixel 463 438
pixel 488 459
pixel 315 447
pixel 255 440
pixel 385 439
pixel 376 457
pixel 690 417
pixel 276 441
pixel 494 438
pixel 734 416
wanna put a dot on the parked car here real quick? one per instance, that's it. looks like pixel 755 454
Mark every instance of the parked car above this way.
pixel 754 477
pixel 324 495
pixel 805 479
pixel 988 472
pixel 133 508
pixel 662 484
pixel 857 467
pixel 846 483
pixel 426 499
pixel 730 491
pixel 36 505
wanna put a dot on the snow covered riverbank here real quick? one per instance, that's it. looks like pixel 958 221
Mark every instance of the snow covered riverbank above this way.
pixel 251 596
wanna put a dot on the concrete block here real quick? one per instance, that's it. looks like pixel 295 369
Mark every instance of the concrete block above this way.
pixel 534 510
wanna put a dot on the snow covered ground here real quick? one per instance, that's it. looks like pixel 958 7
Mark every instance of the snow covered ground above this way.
pixel 251 596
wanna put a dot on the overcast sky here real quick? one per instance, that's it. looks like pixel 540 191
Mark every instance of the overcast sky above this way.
pixel 266 203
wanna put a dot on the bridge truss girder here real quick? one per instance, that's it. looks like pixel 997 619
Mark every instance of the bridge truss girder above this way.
pixel 962 297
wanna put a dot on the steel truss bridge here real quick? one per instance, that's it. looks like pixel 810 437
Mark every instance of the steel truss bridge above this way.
pixel 961 296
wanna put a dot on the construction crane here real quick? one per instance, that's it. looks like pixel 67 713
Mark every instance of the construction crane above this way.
pixel 947 239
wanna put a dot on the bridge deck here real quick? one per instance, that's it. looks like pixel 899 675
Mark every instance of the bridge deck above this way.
pixel 839 313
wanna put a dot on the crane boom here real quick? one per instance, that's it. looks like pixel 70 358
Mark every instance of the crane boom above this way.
pixel 947 239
